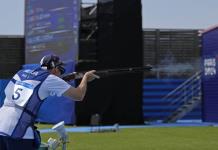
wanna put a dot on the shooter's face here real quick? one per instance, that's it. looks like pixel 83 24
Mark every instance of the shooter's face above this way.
pixel 56 71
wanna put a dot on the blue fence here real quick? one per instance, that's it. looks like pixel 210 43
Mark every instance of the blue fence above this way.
pixel 154 107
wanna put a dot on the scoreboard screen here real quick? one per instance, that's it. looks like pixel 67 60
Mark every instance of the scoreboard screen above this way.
pixel 51 27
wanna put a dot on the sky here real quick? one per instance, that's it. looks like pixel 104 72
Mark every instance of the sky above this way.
pixel 170 14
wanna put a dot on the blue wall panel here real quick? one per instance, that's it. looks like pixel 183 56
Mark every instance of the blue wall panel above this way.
pixel 209 76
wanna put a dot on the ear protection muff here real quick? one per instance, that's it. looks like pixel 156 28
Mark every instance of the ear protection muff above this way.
pixel 51 61
pixel 62 69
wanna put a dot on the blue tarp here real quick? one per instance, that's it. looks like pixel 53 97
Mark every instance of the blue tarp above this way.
pixel 3 84
pixel 56 109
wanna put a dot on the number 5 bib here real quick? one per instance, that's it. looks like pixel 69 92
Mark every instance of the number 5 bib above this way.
pixel 23 90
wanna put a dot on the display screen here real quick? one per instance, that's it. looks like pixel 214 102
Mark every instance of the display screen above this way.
pixel 51 27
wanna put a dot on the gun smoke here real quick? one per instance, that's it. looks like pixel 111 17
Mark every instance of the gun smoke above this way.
pixel 175 68
pixel 170 66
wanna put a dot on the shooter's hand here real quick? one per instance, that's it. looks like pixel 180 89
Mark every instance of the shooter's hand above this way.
pixel 90 75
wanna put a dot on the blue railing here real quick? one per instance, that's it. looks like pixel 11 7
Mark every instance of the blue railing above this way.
pixel 186 91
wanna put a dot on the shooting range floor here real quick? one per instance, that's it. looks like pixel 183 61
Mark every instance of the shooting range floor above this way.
pixel 147 125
